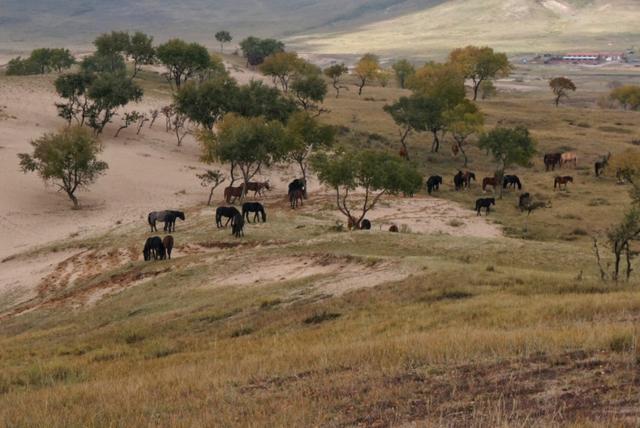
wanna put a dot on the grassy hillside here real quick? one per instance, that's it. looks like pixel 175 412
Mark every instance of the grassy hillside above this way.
pixel 515 26
pixel 300 324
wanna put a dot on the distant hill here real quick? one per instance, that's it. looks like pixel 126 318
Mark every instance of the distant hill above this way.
pixel 332 26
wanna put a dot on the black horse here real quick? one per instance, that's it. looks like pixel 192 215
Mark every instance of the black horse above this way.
pixel 297 184
pixel 551 160
pixel 256 208
pixel 296 197
pixel 433 183
pixel 237 226
pixel 167 217
pixel 511 181
pixel 458 180
pixel 365 224
pixel 154 248
pixel 228 212
pixel 485 203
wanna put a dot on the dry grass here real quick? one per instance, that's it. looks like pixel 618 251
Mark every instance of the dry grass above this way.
pixel 497 332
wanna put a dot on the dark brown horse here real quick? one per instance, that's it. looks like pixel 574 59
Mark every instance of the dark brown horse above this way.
pixel 551 160
pixel 233 192
pixel 296 197
pixel 467 177
pixel 258 188
pixel 489 181
pixel 562 181
pixel 168 245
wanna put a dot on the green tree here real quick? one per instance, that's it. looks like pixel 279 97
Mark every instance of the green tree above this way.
pixel 61 59
pixel 480 64
pixel 621 237
pixel 628 96
pixel 107 93
pixel 208 102
pixel 73 88
pixel 309 89
pixel 112 48
pixel 140 51
pixel 97 63
pixel 250 144
pixel 335 73
pixel 508 146
pixel 305 137
pixel 487 89
pixel 282 67
pixel 183 60
pixel 366 70
pixel 67 159
pixel 463 121
pixel 408 113
pixel 257 99
pixel 376 173
pixel 255 50
pixel 403 70
pixel 21 67
pixel 560 87
pixel 41 61
pixel 223 37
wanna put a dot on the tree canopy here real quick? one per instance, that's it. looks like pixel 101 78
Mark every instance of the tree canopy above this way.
pixel 366 70
pixel 560 87
pixel 335 73
pixel 377 173
pixel 403 70
pixel 282 67
pixel 41 61
pixel 67 159
pixel 464 120
pixel 183 60
pixel 255 50
pixel 223 37
pixel 207 102
pixel 628 96
pixel 480 64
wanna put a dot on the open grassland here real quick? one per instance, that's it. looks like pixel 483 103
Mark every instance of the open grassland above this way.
pixel 300 324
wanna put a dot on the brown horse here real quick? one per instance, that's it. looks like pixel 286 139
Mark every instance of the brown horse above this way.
pixel 569 157
pixel 258 188
pixel 551 160
pixel 562 181
pixel 489 181
pixel 168 245
pixel 467 177
pixel 233 192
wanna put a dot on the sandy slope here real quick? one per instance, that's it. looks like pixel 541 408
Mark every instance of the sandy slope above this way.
pixel 147 172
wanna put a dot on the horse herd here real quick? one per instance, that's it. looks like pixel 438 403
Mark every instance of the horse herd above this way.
pixel 157 248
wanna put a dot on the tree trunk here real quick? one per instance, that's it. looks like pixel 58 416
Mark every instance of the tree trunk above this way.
pixel 76 204
pixel 476 87
pixel 628 257
pixel 436 142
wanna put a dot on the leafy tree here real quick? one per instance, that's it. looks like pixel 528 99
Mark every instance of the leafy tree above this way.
pixel 183 60
pixel 250 144
pixel 621 237
pixel 408 114
pixel 255 50
pixel 487 89
pixel 282 67
pixel 112 47
pixel 215 70
pixel 306 136
pixel 206 103
pixel 508 146
pixel 223 37
pixel 480 64
pixel 257 99
pixel 628 96
pixel 41 58
pixel 560 87
pixel 375 172
pixel 403 70
pixel 98 63
pixel 627 167
pixel 21 67
pixel 41 61
pixel 309 89
pixel 107 93
pixel 67 159
pixel 73 87
pixel 213 179
pixel 140 51
pixel 384 77
pixel 335 73
pixel 366 70
pixel 464 120
pixel 61 59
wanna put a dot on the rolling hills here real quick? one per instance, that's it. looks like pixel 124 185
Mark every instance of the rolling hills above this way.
pixel 409 27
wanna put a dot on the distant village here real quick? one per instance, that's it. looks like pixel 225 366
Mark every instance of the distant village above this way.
pixel 586 58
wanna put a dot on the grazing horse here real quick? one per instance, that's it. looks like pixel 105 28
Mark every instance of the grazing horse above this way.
pixel 228 212
pixel 296 196
pixel 365 225
pixel 467 177
pixel 458 180
pixel 233 192
pixel 298 184
pixel 153 248
pixel 394 229
pixel 569 157
pixel 237 226
pixel 551 160
pixel 602 164
pixel 433 183
pixel 168 245
pixel 167 217
pixel 562 181
pixel 485 203
pixel 489 181
pixel 258 188
pixel 257 209
pixel 511 181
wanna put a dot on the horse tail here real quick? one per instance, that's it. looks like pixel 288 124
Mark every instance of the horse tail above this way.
pixel 519 183
pixel 264 215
